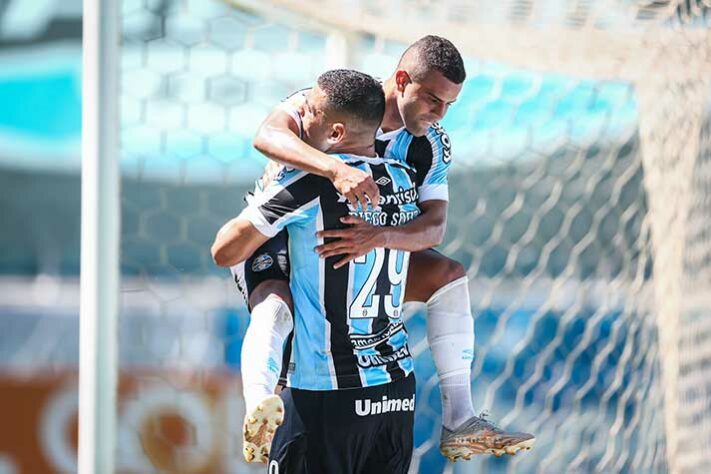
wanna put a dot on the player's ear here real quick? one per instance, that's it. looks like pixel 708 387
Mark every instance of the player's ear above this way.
pixel 337 133
pixel 402 79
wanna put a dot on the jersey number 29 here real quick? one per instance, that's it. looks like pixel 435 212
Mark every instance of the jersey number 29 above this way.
pixel 397 275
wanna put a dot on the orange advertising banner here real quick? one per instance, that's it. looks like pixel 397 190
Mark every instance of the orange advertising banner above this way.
pixel 178 422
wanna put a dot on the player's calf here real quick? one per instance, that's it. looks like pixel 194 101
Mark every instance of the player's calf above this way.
pixel 270 323
pixel 442 284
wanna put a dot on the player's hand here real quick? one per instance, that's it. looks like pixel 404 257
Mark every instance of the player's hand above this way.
pixel 353 242
pixel 356 185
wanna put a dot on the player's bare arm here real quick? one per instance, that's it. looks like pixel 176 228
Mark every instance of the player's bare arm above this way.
pixel 279 139
pixel 235 242
pixel 424 232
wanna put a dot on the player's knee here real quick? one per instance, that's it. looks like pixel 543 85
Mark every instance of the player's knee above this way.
pixel 429 272
pixel 449 270
pixel 456 271
pixel 271 288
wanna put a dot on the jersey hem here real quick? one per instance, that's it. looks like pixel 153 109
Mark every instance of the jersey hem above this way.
pixel 348 380
pixel 259 222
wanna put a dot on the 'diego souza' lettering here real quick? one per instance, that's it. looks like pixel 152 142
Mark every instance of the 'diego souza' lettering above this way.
pixel 380 219
pixel 400 218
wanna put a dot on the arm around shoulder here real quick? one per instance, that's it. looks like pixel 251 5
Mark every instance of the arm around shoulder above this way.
pixel 279 139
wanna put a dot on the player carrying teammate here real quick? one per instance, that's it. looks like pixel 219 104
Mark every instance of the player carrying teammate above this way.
pixel 350 400
pixel 427 80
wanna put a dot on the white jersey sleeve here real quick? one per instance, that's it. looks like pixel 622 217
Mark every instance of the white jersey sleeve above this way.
pixel 284 201
pixel 435 183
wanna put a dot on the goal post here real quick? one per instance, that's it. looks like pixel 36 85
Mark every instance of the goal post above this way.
pixel 100 215
pixel 671 118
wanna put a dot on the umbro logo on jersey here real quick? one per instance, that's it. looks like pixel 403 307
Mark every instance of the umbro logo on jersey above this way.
pixel 382 181
pixel 369 407
pixel 261 263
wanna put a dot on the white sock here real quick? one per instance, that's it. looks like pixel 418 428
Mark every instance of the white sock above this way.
pixel 450 334
pixel 456 400
pixel 262 349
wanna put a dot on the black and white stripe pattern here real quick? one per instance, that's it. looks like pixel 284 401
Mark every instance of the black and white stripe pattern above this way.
pixel 335 297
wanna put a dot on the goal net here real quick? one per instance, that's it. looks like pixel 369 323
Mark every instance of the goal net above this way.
pixel 580 206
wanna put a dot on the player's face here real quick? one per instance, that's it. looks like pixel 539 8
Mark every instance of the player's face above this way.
pixel 319 131
pixel 424 102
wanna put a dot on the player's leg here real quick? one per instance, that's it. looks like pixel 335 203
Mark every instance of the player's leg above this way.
pixel 264 281
pixel 263 345
pixel 262 349
pixel 392 450
pixel 442 284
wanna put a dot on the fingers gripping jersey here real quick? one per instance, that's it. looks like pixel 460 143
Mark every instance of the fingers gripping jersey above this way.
pixel 348 330
pixel 429 155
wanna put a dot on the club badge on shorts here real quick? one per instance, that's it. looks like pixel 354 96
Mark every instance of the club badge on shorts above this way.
pixel 261 263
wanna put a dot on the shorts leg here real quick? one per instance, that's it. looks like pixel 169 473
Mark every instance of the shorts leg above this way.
pixel 392 449
pixel 346 440
pixel 288 454
pixel 268 262
pixel 238 277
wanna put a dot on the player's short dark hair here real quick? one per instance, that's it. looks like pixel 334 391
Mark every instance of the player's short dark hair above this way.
pixel 354 93
pixel 436 53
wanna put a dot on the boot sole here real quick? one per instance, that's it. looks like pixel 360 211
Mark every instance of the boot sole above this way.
pixel 455 452
pixel 259 428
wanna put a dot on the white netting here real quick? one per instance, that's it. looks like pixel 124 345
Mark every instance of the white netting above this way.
pixel 580 206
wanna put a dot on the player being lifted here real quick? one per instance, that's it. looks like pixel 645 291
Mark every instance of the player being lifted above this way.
pixel 350 397
pixel 426 82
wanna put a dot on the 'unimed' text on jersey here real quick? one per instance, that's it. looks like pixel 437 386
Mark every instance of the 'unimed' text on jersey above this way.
pixel 348 328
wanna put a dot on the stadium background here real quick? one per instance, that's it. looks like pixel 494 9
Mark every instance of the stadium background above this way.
pixel 548 210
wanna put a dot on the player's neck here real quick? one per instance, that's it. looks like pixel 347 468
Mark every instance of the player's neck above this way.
pixel 392 119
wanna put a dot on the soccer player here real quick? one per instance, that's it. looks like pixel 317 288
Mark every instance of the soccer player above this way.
pixel 350 397
pixel 426 82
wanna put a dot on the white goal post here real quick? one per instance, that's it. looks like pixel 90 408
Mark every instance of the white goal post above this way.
pixel 100 215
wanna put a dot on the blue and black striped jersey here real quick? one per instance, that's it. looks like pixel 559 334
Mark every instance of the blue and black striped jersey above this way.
pixel 348 329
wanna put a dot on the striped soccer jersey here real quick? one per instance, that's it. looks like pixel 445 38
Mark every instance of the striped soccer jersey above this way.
pixel 348 328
